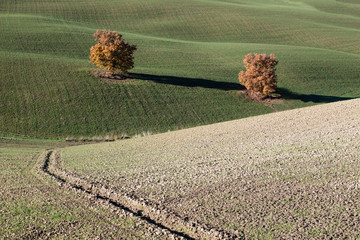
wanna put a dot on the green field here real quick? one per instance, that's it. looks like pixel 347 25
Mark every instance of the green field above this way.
pixel 189 55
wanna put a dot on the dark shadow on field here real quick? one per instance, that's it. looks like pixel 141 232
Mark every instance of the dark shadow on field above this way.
pixel 287 94
pixel 188 82
pixel 227 86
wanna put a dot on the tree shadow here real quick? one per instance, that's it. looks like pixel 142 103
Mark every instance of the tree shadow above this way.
pixel 227 86
pixel 287 94
pixel 188 82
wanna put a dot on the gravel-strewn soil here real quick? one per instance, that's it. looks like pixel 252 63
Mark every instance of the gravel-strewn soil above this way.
pixel 293 174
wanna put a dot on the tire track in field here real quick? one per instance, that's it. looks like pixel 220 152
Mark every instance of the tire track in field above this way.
pixel 153 214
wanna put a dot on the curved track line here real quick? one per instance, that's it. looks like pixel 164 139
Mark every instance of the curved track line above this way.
pixel 151 213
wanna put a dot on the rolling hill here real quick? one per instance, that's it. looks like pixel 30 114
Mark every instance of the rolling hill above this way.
pixel 189 55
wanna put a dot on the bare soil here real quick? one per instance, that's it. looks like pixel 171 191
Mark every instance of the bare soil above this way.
pixel 285 175
pixel 160 221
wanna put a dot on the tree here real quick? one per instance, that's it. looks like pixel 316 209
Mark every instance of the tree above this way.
pixel 111 52
pixel 260 74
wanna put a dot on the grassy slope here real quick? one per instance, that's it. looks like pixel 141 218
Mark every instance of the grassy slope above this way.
pixel 46 89
pixel 34 207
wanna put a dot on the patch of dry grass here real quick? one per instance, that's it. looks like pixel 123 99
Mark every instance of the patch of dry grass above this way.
pixel 33 206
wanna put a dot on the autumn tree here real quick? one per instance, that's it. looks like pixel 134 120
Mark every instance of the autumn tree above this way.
pixel 260 74
pixel 111 52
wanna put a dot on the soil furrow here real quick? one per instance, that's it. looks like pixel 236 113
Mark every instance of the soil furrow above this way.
pixel 152 213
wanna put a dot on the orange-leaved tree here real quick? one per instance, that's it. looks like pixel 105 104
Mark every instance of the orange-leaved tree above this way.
pixel 260 73
pixel 111 52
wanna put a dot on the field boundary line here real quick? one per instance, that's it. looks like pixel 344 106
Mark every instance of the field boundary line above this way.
pixel 152 213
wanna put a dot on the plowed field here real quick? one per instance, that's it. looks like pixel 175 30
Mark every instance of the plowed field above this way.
pixel 292 174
